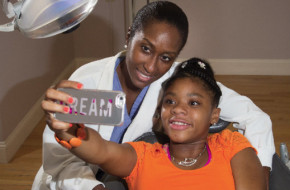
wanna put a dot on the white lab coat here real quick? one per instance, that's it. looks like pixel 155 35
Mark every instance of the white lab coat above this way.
pixel 62 170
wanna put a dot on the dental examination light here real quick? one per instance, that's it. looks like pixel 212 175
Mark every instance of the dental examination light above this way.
pixel 45 18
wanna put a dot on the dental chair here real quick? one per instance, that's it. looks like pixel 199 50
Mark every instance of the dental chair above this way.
pixel 280 174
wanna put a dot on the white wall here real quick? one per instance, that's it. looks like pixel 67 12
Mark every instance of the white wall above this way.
pixel 238 37
pixel 103 33
pixel 237 29
pixel 29 66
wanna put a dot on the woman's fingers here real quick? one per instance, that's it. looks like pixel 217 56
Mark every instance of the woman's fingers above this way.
pixel 52 95
pixel 55 124
pixel 50 106
pixel 69 84
pixel 57 101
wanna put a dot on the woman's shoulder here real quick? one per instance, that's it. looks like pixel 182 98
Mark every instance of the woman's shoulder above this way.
pixel 93 68
pixel 97 67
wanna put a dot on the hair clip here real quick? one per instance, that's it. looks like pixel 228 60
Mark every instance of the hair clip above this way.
pixel 201 64
pixel 184 64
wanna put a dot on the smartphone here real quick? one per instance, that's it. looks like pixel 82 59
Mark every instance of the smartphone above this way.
pixel 102 107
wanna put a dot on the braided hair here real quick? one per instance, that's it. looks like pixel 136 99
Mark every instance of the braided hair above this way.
pixel 196 68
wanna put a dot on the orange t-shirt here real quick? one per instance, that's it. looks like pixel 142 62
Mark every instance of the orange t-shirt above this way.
pixel 154 170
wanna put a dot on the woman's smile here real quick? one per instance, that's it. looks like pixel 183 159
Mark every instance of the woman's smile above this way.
pixel 143 77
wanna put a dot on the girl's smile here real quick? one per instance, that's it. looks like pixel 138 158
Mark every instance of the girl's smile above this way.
pixel 178 124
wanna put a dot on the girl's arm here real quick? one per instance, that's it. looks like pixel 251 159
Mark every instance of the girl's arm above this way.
pixel 248 171
pixel 250 120
pixel 115 159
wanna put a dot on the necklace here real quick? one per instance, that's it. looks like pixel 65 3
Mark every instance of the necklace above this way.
pixel 189 161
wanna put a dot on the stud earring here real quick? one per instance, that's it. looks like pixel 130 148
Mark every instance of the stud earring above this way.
pixel 125 46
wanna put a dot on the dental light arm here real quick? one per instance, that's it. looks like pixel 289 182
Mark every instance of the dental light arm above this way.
pixel 8 9
pixel 45 18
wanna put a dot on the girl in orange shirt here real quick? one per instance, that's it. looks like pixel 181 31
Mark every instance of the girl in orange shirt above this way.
pixel 191 159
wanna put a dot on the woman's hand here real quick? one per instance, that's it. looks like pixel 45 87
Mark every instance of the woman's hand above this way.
pixel 50 106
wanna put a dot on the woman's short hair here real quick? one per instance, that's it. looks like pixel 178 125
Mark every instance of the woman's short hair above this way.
pixel 163 11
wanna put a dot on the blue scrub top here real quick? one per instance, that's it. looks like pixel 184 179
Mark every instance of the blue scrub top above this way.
pixel 119 131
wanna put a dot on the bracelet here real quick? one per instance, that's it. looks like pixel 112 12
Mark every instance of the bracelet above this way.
pixel 75 141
